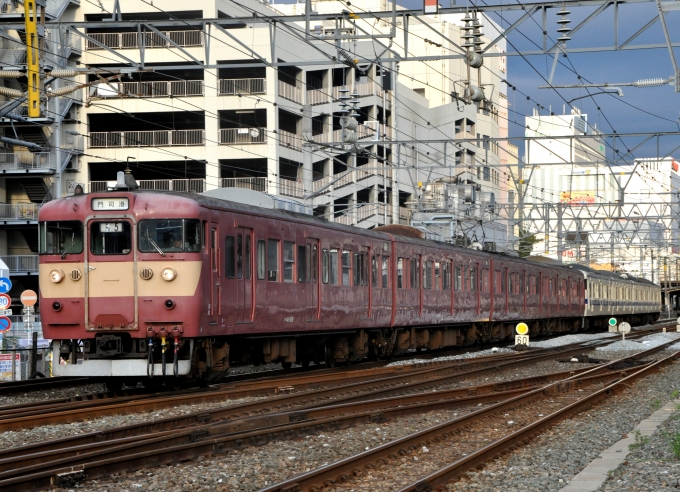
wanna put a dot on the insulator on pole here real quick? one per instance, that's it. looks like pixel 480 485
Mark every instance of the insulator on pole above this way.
pixel 475 60
pixel 11 74
pixel 63 73
pixel 15 93
pixel 62 91
pixel 564 29
pixel 476 93
pixel 650 82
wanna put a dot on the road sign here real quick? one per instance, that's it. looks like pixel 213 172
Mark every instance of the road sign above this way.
pixel 29 297
pixel 5 302
pixel 522 329
pixel 624 327
pixel 5 323
pixel 522 340
pixel 5 285
pixel 612 321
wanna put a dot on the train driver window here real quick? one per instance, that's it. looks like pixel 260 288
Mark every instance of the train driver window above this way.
pixel 302 264
pixel 110 238
pixel 229 257
pixel 273 260
pixel 346 266
pixel 261 265
pixel 61 238
pixel 385 271
pixel 288 261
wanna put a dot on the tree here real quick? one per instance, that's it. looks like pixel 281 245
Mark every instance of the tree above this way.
pixel 526 243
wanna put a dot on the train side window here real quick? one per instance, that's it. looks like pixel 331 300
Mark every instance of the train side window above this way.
pixel 484 281
pixel 288 261
pixel 273 260
pixel 302 264
pixel 248 262
pixel 213 248
pixel 466 279
pixel 229 256
pixel 504 282
pixel 261 265
pixel 437 275
pixel 325 265
pixel 446 276
pixel 473 278
pixel 358 267
pixel 374 270
pixel 315 264
pixel 239 255
pixel 333 270
pixel 400 273
pixel 346 266
pixel 456 278
pixel 417 273
pixel 427 275
pixel 385 271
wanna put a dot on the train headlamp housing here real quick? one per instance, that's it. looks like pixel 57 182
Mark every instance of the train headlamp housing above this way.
pixel 56 275
pixel 169 274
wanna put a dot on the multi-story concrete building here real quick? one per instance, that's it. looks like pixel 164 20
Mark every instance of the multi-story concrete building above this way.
pixel 195 109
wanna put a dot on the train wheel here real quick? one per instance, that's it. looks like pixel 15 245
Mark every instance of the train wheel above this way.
pixel 287 365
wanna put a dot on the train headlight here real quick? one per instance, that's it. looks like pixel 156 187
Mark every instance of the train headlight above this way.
pixel 56 276
pixel 169 274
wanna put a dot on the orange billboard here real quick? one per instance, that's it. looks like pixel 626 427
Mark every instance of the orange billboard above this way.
pixel 577 197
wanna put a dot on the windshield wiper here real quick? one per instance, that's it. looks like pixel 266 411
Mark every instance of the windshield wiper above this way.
pixel 153 243
pixel 73 240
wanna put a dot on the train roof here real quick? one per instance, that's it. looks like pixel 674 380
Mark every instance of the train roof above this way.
pixel 611 275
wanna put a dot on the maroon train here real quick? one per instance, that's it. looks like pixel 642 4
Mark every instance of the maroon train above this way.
pixel 140 283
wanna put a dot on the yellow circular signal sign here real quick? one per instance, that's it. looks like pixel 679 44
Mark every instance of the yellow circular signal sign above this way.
pixel 522 329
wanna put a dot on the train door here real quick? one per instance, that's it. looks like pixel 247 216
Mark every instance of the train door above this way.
pixel 313 307
pixel 214 252
pixel 111 300
pixel 244 275
pixel 506 288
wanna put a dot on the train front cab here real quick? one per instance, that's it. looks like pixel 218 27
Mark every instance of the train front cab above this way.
pixel 117 287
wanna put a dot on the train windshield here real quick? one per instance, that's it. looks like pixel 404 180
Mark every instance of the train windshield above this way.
pixel 61 238
pixel 170 236
pixel 110 238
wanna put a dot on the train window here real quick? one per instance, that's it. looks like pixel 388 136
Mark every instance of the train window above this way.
pixel 229 256
pixel 504 282
pixel 333 267
pixel 273 260
pixel 315 264
pixel 485 280
pixel 288 261
pixel 110 238
pixel 239 255
pixel 446 276
pixel 466 279
pixel 473 278
pixel 400 273
pixel 169 235
pixel 374 270
pixel 325 261
pixel 358 260
pixel 213 249
pixel 385 271
pixel 302 264
pixel 248 262
pixel 521 283
pixel 346 266
pixel 437 275
pixel 511 283
pixel 61 238
pixel 456 278
pixel 427 275
pixel 261 267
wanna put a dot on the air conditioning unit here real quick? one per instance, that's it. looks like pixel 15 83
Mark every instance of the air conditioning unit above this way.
pixel 489 246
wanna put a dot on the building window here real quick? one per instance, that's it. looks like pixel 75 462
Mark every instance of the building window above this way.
pixel 487 173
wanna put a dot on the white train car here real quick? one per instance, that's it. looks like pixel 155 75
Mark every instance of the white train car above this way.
pixel 626 298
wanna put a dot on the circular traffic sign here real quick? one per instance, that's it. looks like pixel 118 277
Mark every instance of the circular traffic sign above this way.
pixel 612 321
pixel 522 328
pixel 29 298
pixel 624 327
pixel 5 285
pixel 5 301
pixel 5 323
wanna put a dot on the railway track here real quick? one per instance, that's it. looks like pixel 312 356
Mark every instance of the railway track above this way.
pixel 99 454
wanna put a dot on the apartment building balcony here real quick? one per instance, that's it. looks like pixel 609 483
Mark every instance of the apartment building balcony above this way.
pixel 292 188
pixel 290 140
pixel 165 88
pixel 234 87
pixel 318 96
pixel 23 162
pixel 360 213
pixel 18 213
pixel 256 184
pixel 130 40
pixel 241 136
pixel 53 10
pixel 353 176
pixel 21 265
pixel 151 138
pixel 290 92
pixel 13 56
pixel 186 185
